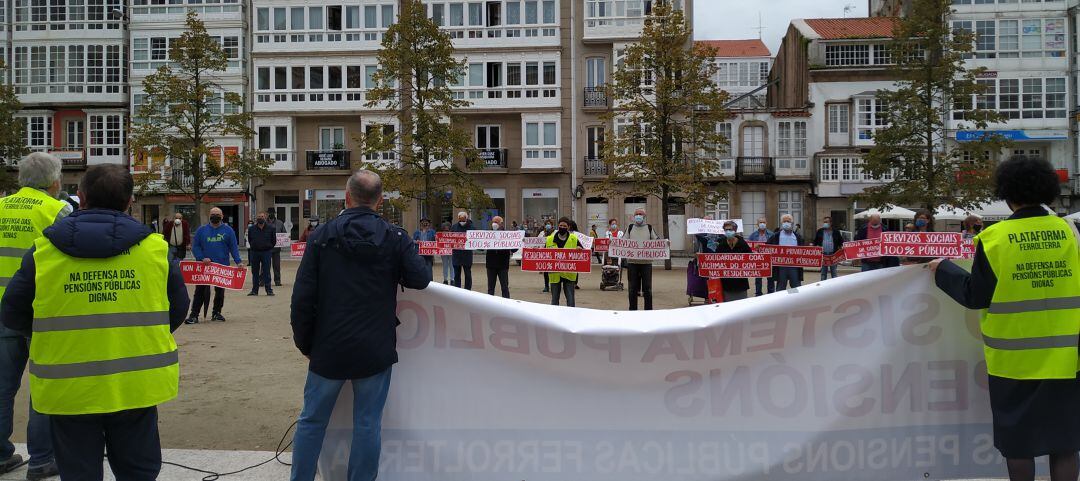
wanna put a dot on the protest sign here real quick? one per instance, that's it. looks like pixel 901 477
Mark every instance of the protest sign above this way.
pixel 862 249
pixel 754 244
pixel 601 244
pixel 534 242
pixel 584 241
pixel 455 239
pixel 967 249
pixel 871 376
pixel 557 260
pixel 833 259
pixel 792 256
pixel 709 226
pixel 297 249
pixel 211 274
pixel 435 248
pixel 283 240
pixel 922 244
pixel 493 239
pixel 639 250
pixel 717 266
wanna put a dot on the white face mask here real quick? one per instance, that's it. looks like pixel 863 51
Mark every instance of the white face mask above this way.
pixel 494 226
pixel 461 223
pixel 178 222
pixel 761 226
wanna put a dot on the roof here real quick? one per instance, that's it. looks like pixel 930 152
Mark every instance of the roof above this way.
pixel 738 48
pixel 854 28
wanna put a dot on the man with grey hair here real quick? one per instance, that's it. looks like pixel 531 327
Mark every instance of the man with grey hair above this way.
pixel 787 236
pixel 463 260
pixel 344 318
pixel 23 217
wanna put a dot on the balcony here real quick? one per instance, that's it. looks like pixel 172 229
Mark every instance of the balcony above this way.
pixel 595 167
pixel 521 36
pixel 71 158
pixel 493 158
pixel 179 179
pixel 754 169
pixel 337 159
pixel 596 97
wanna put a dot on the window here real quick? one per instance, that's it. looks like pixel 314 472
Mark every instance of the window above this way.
pixel 1033 98
pixel 281 137
pixel 39 132
pixel 331 138
pixel 752 207
pixel 846 55
pixel 106 134
pixel 724 128
pixel 487 137
pixel 296 18
pixel 1009 98
pixel 369 76
pixel 985 45
pixel 513 74
pixel 262 19
pixel 541 141
pixel 76 134
pixel 457 15
pixel 720 210
pixel 1055 98
pixel 476 14
pixel 438 14
pixel 388 133
pixel 594 143
pixel 790 203
pixel 839 118
pixel 830 169
pixel 279 19
pixel 387 15
pixel 532 73
pixel 549 73
pixel 869 117
pixel 595 72
pixel 792 139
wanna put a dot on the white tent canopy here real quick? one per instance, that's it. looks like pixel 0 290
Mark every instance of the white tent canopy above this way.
pixel 890 212
pixel 1074 217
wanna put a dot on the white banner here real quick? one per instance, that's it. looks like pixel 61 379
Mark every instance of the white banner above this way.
pixel 282 240
pixel 494 239
pixel 865 377
pixel 584 240
pixel 623 248
pixel 707 226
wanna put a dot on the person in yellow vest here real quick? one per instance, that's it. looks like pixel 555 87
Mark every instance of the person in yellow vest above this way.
pixel 565 282
pixel 102 298
pixel 1026 279
pixel 23 216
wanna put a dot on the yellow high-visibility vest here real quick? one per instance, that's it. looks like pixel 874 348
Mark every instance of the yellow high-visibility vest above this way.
pixel 23 215
pixel 1032 328
pixel 101 341
pixel 571 243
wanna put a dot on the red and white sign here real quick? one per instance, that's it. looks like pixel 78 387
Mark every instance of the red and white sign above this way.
pixel 457 239
pixel 754 244
pixel 601 244
pixel 557 260
pixel 967 249
pixel 493 239
pixel 217 275
pixel 298 249
pixel 283 240
pixel 862 249
pixel 640 250
pixel 922 244
pixel 792 256
pixel 833 259
pixel 435 248
pixel 717 266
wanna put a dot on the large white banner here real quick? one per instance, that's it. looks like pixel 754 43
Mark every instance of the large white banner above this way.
pixel 873 376
pixel 709 226
pixel 494 239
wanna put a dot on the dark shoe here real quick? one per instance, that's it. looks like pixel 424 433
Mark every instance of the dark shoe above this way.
pixel 270 293
pixel 253 293
pixel 41 472
pixel 191 320
pixel 277 284
pixel 217 317
pixel 11 463
pixel 547 290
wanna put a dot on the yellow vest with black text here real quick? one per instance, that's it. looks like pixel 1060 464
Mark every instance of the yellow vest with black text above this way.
pixel 101 341
pixel 23 215
pixel 571 243
pixel 1032 328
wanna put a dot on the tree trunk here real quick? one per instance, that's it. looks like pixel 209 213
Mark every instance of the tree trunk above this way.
pixel 665 199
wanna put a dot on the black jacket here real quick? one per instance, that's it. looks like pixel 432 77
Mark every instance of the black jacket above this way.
pixel 261 240
pixel 462 258
pixel 89 234
pixel 498 258
pixel 887 261
pixel 775 240
pixel 344 303
pixel 837 238
pixel 741 247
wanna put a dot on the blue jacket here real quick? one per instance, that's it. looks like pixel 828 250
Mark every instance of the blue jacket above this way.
pixel 344 303
pixel 424 235
pixel 93 234
pixel 215 243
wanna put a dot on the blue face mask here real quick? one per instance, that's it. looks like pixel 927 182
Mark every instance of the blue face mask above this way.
pixel 639 219
pixel 729 233
pixel 786 226
pixel 920 223
pixel 825 225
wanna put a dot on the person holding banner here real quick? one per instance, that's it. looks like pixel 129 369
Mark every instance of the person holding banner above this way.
pixel 426 234
pixel 497 262
pixel 213 242
pixel 829 240
pixel 261 241
pixel 275 256
pixel 786 236
pixel 732 243
pixel 639 271
pixel 1026 279
pixel 762 234
pixel 447 261
pixel 562 281
pixel 463 259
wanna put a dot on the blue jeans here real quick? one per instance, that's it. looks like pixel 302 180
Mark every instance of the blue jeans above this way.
pixel 447 269
pixel 787 277
pixel 260 270
pixel 14 352
pixel 826 270
pixel 320 395
pixel 768 281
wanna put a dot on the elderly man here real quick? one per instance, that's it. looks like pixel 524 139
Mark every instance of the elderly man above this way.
pixel 497 262
pixel 261 241
pixel 213 242
pixel 344 319
pixel 35 206
pixel 872 231
pixel 830 240
pixel 178 234
pixel 762 234
pixel 786 236
pixel 462 259
pixel 639 271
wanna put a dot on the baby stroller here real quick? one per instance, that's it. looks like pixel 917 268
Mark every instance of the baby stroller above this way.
pixel 611 277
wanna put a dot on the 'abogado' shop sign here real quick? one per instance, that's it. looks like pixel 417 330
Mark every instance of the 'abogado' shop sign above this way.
pixel 328 160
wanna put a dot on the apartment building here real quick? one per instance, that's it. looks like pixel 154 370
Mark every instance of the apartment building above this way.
pixel 153 28
pixel 66 63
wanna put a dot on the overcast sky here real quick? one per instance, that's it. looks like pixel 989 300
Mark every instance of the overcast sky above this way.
pixel 738 19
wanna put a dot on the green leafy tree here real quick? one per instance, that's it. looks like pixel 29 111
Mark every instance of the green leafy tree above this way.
pixel 181 121
pixel 12 137
pixel 933 87
pixel 432 154
pixel 665 108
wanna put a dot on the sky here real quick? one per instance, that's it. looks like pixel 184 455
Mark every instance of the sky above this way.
pixel 739 19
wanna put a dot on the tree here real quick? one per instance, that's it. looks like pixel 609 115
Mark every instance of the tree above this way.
pixel 665 110
pixel 12 137
pixel 933 86
pixel 183 116
pixel 416 63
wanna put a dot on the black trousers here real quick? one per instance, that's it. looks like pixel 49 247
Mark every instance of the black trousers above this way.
pixel 276 260
pixel 202 297
pixel 567 289
pixel 501 275
pixel 640 281
pixel 458 271
pixel 130 437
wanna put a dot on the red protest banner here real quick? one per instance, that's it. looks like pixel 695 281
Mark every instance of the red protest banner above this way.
pixel 922 244
pixel 967 249
pixel 601 245
pixel 833 259
pixel 716 266
pixel 556 260
pixel 198 273
pixel 298 249
pixel 792 256
pixel 862 249
pixel 458 239
pixel 754 244
pixel 435 248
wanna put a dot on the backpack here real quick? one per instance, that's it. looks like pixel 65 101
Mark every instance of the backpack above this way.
pixel 631 228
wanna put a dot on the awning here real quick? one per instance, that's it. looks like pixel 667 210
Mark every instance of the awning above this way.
pixel 890 212
pixel 1073 217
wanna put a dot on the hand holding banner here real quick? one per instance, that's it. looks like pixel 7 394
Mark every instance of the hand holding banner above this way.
pixel 493 239
pixel 717 266
pixel 557 260
pixel 792 256
pixel 922 244
pixel 659 249
pixel 211 274
pixel 298 249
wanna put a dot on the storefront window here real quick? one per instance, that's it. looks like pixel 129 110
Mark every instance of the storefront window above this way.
pixel 540 206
